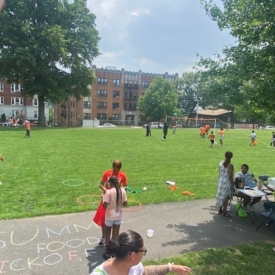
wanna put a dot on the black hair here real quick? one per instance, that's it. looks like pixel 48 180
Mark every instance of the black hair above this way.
pixel 127 242
pixel 114 181
pixel 228 156
pixel 245 165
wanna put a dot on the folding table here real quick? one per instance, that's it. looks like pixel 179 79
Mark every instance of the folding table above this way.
pixel 252 193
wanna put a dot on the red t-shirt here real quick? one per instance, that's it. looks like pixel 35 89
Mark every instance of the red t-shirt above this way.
pixel 122 179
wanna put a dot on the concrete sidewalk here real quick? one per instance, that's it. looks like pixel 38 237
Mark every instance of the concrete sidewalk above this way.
pixel 67 244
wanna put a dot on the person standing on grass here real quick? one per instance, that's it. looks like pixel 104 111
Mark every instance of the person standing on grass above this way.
pixel 212 139
pixel 221 136
pixel 128 250
pixel 148 129
pixel 272 141
pixel 165 130
pixel 1 159
pixel 225 184
pixel 28 129
pixel 113 200
pixel 252 138
pixel 105 185
pixel 174 129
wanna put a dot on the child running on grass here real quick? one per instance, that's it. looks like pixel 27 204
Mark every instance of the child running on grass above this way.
pixel 212 139
pixel 221 135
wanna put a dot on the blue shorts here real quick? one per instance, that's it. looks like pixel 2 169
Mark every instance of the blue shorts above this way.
pixel 111 223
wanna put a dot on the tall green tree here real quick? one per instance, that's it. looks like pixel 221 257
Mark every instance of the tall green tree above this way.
pixel 48 46
pixel 190 88
pixel 160 99
pixel 253 55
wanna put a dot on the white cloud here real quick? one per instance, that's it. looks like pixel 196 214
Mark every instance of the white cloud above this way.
pixel 155 36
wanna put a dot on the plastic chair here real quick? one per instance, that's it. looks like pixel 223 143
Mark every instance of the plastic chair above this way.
pixel 269 216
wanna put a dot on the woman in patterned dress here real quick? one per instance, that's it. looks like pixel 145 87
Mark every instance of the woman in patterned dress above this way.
pixel 225 183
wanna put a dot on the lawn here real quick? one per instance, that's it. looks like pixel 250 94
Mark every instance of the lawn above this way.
pixel 58 170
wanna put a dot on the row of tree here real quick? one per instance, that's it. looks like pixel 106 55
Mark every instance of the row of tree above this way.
pixel 49 46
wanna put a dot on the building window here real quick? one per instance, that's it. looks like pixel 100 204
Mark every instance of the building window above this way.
pixel 16 101
pixel 15 88
pixel 102 105
pixel 101 116
pixel 126 95
pixel 125 106
pixel 35 102
pixel 134 95
pixel 102 81
pixel 87 104
pixel 126 83
pixel 1 87
pixel 115 117
pixel 116 82
pixel 115 106
pixel 15 113
pixel 102 93
pixel 135 84
pixel 131 83
pixel 73 104
pixel 1 100
pixel 86 116
pixel 115 94
pixel 144 84
pixel 35 114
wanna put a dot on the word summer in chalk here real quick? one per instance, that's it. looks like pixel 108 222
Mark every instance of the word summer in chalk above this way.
pixel 36 248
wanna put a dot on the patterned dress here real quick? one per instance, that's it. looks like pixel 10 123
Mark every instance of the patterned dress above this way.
pixel 224 185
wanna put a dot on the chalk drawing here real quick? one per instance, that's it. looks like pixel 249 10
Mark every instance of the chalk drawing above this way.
pixel 12 242
pixel 53 263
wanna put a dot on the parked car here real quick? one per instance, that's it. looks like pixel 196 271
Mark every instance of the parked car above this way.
pixel 270 128
pixel 106 125
pixel 154 125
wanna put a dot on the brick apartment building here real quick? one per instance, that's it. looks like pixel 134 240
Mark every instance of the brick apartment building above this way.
pixel 15 105
pixel 114 98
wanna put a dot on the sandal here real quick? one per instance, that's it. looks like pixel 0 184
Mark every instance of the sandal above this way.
pixel 225 214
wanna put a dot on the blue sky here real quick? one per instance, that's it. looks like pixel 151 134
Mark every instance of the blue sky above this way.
pixel 155 36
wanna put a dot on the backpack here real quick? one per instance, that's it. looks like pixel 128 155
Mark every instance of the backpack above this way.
pixel 240 211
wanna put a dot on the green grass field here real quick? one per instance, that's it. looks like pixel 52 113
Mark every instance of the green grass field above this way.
pixel 49 172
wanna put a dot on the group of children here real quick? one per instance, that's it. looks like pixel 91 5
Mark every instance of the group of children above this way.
pixel 204 131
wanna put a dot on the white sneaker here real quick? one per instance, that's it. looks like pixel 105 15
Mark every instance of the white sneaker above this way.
pixel 228 208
